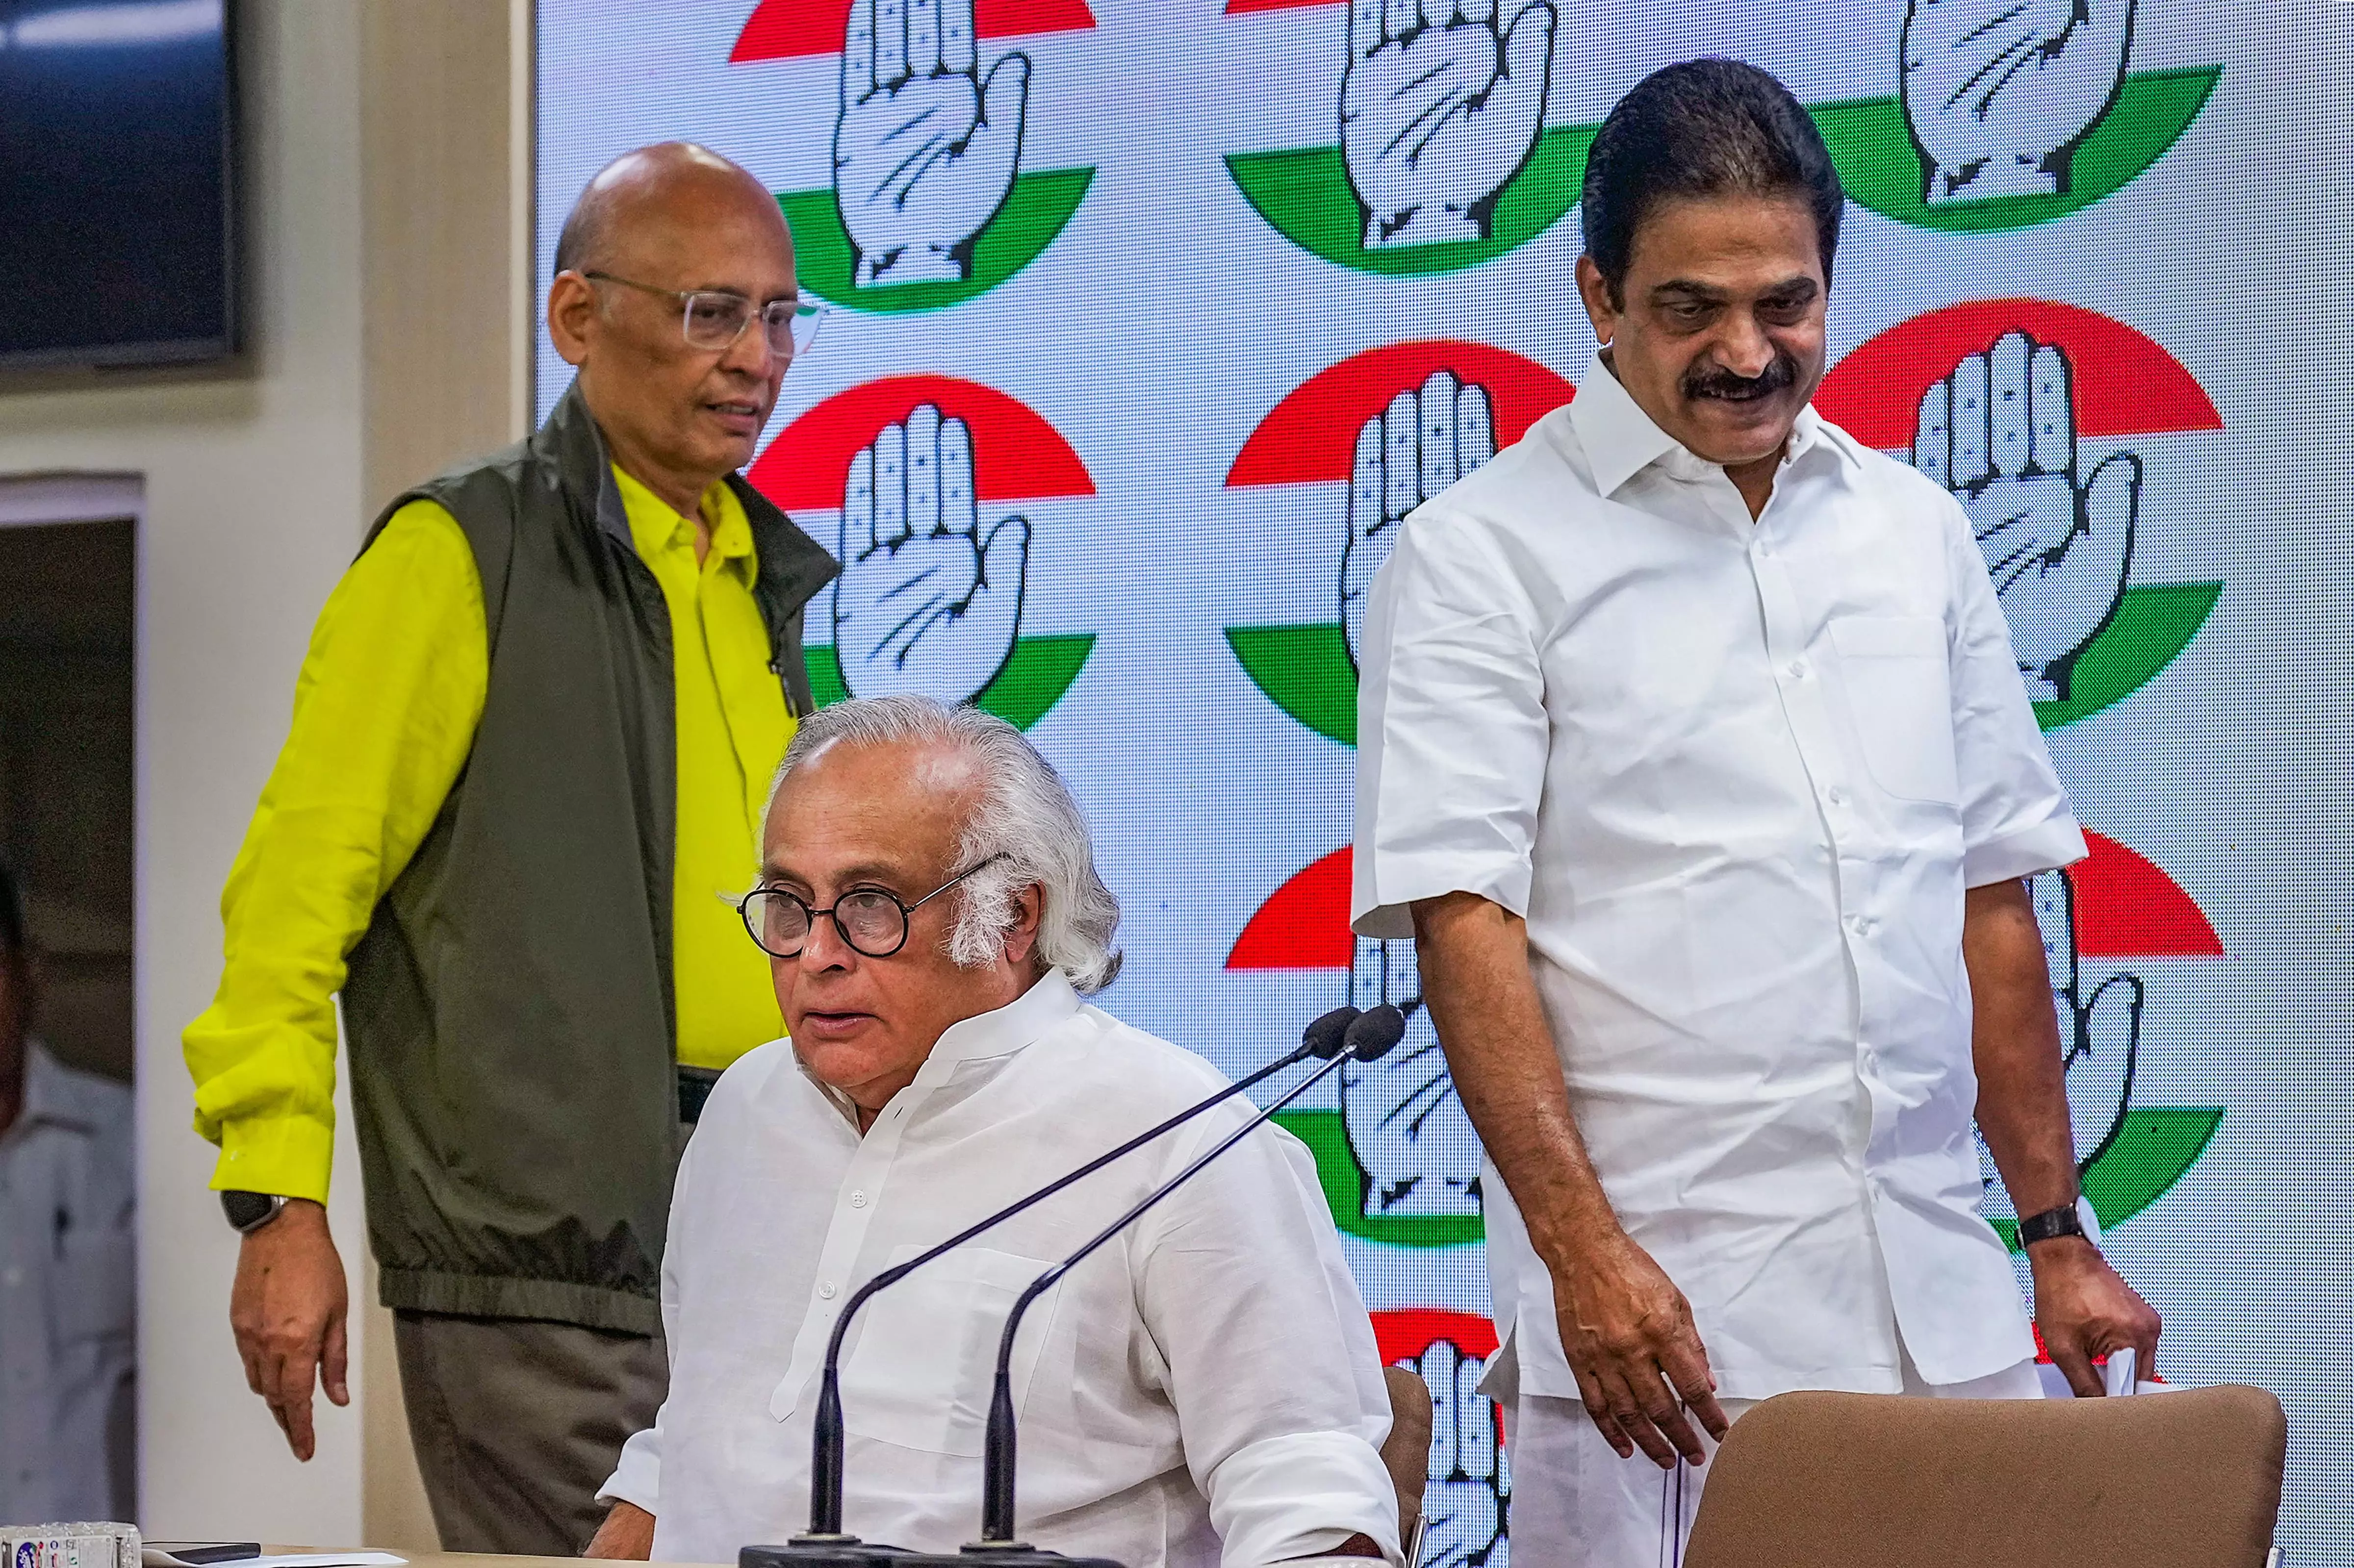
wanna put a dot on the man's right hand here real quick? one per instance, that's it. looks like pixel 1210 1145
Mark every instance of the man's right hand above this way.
pixel 287 1310
pixel 1640 1367
pixel 1627 1330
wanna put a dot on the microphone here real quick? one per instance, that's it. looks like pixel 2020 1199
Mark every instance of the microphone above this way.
pixel 1325 1039
pixel 1369 1035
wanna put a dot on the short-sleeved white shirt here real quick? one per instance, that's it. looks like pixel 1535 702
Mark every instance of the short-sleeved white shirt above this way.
pixel 1737 777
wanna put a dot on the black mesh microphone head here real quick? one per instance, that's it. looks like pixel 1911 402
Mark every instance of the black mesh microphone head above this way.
pixel 1324 1038
pixel 1374 1032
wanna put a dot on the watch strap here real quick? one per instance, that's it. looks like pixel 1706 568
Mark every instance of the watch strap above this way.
pixel 2050 1225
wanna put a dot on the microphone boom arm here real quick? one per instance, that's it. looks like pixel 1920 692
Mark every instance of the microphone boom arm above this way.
pixel 997 1473
pixel 827 1444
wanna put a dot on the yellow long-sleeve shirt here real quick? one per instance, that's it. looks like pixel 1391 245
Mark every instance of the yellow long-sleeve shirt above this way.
pixel 385 713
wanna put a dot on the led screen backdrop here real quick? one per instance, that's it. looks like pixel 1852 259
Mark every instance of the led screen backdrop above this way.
pixel 1177 331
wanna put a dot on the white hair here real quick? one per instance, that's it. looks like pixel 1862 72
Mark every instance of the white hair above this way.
pixel 1026 817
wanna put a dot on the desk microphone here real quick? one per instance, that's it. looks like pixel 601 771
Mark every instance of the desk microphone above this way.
pixel 1370 1035
pixel 824 1545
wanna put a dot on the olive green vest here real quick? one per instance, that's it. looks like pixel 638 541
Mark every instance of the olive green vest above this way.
pixel 509 1013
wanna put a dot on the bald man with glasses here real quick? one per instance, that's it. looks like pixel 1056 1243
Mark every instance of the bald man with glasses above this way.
pixel 530 749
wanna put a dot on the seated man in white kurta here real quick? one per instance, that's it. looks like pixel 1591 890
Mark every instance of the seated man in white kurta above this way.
pixel 1205 1390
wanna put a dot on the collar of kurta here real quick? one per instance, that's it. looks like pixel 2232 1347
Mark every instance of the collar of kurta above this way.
pixel 1621 440
pixel 1001 1032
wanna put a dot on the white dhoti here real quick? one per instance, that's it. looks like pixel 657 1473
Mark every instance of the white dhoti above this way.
pixel 1577 1504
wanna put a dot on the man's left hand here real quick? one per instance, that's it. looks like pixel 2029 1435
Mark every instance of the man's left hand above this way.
pixel 2084 1310
pixel 626 1534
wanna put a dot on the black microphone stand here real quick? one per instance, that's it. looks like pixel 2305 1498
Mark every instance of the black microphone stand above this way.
pixel 1372 1034
pixel 824 1545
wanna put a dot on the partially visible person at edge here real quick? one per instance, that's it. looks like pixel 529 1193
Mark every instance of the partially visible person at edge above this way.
pixel 1697 762
pixel 69 1391
pixel 530 747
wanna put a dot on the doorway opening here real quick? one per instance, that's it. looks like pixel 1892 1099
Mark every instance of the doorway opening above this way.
pixel 68 1417
pixel 66 821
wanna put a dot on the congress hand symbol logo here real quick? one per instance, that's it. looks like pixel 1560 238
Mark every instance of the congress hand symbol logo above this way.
pixel 2113 908
pixel 1425 440
pixel 2000 433
pixel 929 199
pixel 1406 1125
pixel 928 601
pixel 1463 1500
pixel 2000 94
pixel 2100 1033
pixel 926 148
pixel 1440 109
pixel 927 473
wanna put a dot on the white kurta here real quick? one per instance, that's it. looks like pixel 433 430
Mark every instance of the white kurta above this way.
pixel 1737 777
pixel 1209 1378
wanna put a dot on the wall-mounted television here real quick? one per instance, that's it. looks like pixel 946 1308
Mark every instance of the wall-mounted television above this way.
pixel 117 187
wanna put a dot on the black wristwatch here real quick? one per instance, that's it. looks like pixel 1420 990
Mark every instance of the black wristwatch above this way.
pixel 248 1211
pixel 2050 1225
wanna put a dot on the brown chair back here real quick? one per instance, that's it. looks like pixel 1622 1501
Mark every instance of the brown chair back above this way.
pixel 1831 1481
pixel 1405 1452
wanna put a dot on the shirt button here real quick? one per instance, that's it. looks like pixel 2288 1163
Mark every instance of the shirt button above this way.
pixel 825 1291
pixel 1863 924
pixel 1836 796
pixel 858 1200
pixel 13 1277
pixel 1797 669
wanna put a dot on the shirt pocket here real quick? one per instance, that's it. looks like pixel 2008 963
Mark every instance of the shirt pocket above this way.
pixel 1900 699
pixel 925 1366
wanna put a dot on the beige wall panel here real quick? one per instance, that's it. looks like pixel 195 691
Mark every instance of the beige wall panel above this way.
pixel 445 204
pixel 438 260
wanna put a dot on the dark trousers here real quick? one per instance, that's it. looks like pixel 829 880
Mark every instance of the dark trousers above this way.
pixel 517 1424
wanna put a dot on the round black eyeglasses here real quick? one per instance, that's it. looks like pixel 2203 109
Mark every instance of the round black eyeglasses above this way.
pixel 872 922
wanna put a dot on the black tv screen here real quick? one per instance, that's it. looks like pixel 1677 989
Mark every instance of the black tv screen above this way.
pixel 117 189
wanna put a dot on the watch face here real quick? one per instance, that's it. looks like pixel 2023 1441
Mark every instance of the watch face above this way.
pixel 247 1209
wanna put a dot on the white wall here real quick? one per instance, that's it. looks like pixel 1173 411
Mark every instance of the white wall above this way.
pixel 252 508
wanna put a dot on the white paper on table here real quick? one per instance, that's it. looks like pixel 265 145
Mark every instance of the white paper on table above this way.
pixel 290 1560
pixel 152 1559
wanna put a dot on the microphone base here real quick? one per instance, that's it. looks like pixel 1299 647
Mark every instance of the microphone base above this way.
pixel 852 1553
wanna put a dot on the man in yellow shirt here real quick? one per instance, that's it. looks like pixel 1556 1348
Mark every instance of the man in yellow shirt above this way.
pixel 531 744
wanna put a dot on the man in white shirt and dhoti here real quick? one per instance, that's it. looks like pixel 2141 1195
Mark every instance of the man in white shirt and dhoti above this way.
pixel 1697 762
pixel 1205 1390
